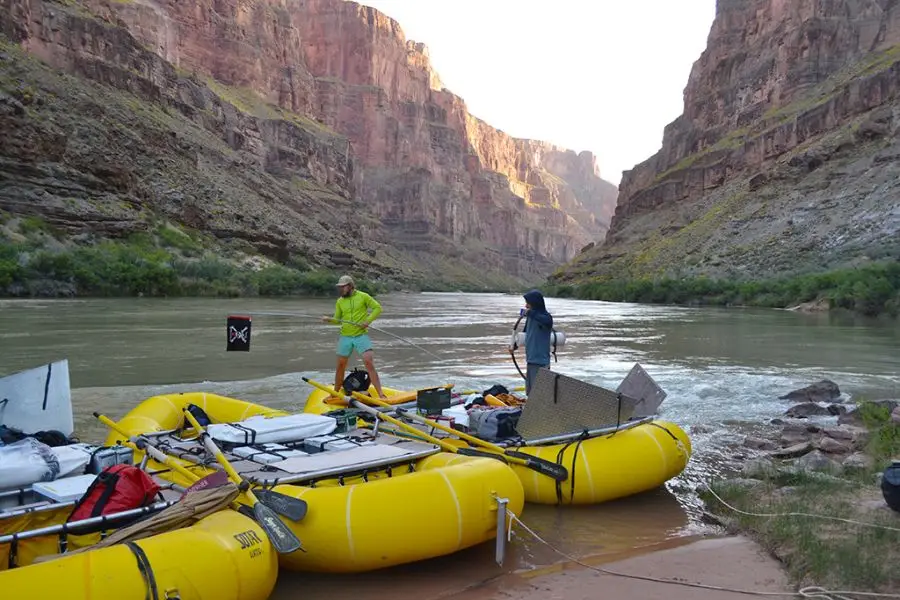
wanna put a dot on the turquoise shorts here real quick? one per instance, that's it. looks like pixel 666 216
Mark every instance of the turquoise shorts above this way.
pixel 346 344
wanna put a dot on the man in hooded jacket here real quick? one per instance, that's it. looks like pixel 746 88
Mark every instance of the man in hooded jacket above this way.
pixel 538 326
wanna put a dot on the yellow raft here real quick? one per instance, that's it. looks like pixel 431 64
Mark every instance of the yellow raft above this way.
pixel 634 459
pixel 386 516
pixel 206 561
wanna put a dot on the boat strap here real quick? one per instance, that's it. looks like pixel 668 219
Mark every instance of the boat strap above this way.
pixel 13 552
pixel 559 460
pixel 672 435
pixel 146 571
pixel 249 434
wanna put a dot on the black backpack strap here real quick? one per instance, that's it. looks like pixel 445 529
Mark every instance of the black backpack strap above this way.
pixel 104 478
pixel 110 479
pixel 553 337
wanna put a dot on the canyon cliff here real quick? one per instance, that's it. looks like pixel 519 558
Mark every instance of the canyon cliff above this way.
pixel 307 128
pixel 785 159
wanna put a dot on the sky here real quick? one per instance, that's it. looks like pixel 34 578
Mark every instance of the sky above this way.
pixel 600 75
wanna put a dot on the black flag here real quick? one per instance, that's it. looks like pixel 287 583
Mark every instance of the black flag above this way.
pixel 238 334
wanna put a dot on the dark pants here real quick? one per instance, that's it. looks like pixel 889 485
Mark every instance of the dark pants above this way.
pixel 531 372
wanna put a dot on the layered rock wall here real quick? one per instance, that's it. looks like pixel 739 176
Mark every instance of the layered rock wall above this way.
pixel 784 160
pixel 427 167
pixel 752 95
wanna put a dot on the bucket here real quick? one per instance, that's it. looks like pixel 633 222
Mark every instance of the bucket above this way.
pixel 890 486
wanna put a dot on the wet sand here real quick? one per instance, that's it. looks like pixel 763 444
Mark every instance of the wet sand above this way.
pixel 728 562
pixel 733 562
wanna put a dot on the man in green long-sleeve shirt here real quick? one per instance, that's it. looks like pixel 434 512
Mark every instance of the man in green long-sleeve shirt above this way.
pixel 352 307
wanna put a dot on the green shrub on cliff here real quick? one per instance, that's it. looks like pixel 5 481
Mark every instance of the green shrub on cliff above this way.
pixel 870 290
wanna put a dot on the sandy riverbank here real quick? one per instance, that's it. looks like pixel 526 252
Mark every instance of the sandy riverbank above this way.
pixel 731 562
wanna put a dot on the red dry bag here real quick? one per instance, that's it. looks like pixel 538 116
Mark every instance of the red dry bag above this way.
pixel 116 488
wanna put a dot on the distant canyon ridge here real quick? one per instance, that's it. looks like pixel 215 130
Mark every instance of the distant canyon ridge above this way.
pixel 304 130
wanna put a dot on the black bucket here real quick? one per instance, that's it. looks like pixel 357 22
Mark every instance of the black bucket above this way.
pixel 890 486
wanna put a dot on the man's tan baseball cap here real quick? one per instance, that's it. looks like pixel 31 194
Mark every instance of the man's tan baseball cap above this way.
pixel 345 280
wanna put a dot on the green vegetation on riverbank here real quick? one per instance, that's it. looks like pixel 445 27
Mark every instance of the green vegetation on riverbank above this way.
pixel 166 261
pixel 870 290
pixel 832 554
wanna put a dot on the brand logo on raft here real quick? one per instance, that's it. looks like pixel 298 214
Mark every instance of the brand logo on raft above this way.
pixel 247 538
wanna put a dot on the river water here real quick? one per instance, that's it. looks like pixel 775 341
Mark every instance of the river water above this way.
pixel 720 368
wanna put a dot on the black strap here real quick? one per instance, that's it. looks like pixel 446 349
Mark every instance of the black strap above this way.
pixel 249 434
pixel 553 336
pixel 13 552
pixel 559 460
pixel 555 387
pixel 110 479
pixel 146 571
pixel 47 385
pixel 672 435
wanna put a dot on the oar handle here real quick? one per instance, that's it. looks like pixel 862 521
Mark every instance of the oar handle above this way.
pixel 214 450
pixel 388 418
pixel 149 448
pixel 280 535
pixel 465 436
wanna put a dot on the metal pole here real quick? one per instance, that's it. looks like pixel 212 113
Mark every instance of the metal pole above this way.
pixel 501 529
pixel 591 433
pixel 68 527
pixel 16 511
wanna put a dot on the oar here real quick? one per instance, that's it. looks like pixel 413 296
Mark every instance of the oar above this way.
pixel 279 533
pixel 551 469
pixel 557 472
pixel 292 508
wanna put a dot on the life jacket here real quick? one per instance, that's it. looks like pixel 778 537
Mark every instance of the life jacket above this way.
pixel 116 489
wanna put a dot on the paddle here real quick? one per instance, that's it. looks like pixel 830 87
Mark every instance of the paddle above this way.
pixel 550 469
pixel 279 533
pixel 546 467
pixel 553 470
pixel 292 508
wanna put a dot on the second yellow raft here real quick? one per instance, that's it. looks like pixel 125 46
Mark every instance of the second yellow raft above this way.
pixel 635 459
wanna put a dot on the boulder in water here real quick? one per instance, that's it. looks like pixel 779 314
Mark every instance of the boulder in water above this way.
pixel 822 391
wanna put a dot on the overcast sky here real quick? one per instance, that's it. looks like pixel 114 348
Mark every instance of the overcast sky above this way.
pixel 599 75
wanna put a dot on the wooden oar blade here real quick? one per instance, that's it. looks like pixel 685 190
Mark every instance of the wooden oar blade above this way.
pixel 545 467
pixel 291 508
pixel 216 479
pixel 281 536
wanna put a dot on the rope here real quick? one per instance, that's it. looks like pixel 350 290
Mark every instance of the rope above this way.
pixel 807 592
pixel 800 514
pixel 146 571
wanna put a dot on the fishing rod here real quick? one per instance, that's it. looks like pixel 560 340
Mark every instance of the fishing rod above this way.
pixel 319 318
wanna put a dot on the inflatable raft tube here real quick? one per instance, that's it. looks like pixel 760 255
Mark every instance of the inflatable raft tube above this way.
pixel 224 556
